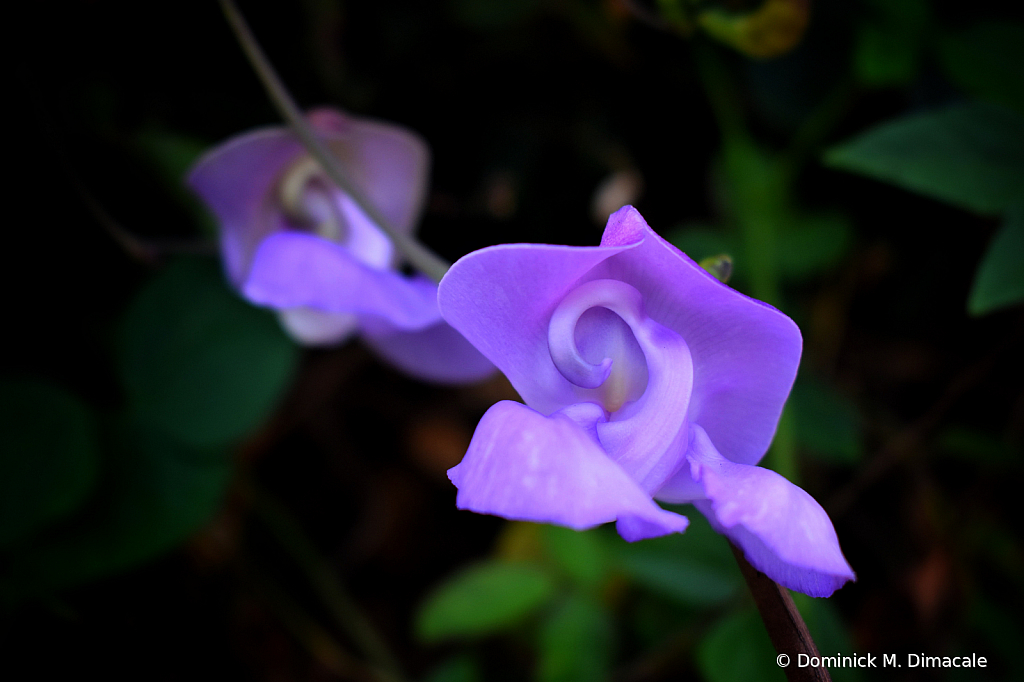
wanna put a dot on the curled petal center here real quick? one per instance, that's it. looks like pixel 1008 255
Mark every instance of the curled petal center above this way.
pixel 602 341
pixel 309 201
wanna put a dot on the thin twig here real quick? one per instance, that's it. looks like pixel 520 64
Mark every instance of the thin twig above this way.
pixel 419 256
pixel 317 641
pixel 324 581
pixel 785 625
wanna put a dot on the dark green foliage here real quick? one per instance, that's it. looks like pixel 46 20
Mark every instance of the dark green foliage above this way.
pixel 738 650
pixel 154 493
pixel 1000 279
pixel 969 155
pixel 198 363
pixel 483 599
pixel 828 425
pixel 576 642
pixel 48 456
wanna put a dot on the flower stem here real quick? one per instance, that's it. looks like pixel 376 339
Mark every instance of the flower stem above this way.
pixel 418 255
pixel 324 581
pixel 785 625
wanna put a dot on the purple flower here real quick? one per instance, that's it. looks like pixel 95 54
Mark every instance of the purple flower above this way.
pixel 643 377
pixel 294 242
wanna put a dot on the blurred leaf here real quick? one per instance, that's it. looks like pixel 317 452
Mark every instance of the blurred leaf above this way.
pixel 700 242
pixel 695 568
pixel 773 29
pixel 1001 628
pixel 1000 279
pixel 827 424
pixel 580 554
pixel 976 446
pixel 813 244
pixel 154 493
pixel 888 46
pixel 47 456
pixel 456 669
pixel 970 155
pixel 986 61
pixel 172 154
pixel 483 599
pixel 196 361
pixel 576 642
pixel 738 650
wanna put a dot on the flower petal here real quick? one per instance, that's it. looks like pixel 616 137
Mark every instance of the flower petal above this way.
pixel 389 162
pixel 501 299
pixel 297 270
pixel 437 353
pixel 316 328
pixel 745 353
pixel 236 180
pixel 525 466
pixel 783 532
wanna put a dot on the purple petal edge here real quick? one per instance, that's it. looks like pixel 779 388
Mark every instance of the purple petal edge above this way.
pixel 524 466
pixel 437 354
pixel 298 270
pixel 783 532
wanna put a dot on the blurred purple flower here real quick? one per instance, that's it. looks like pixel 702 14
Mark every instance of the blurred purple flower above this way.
pixel 294 242
pixel 644 377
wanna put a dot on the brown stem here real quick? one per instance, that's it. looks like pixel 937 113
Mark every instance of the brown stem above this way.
pixel 785 625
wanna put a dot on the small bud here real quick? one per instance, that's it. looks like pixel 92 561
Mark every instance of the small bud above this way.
pixel 720 266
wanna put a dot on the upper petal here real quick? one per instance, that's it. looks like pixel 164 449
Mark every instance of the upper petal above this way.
pixel 296 270
pixel 391 163
pixel 525 466
pixel 237 180
pixel 783 532
pixel 501 299
pixel 745 352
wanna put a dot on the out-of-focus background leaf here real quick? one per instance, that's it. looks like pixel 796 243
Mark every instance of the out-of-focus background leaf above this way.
pixel 197 362
pixel 482 600
pixel 48 457
pixel 970 155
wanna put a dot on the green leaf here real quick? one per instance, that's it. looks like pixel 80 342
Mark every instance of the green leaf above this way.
pixel 458 669
pixel 155 492
pixel 986 61
pixel 47 456
pixel 580 554
pixel 888 46
pixel 171 154
pixel 738 650
pixel 980 447
pixel 700 241
pixel 483 599
pixel 828 425
pixel 812 244
pixel 695 568
pixel 576 642
pixel 1000 279
pixel 196 361
pixel 970 155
